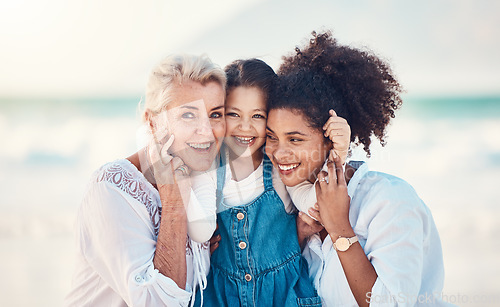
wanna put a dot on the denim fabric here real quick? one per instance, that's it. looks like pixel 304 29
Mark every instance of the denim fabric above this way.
pixel 258 261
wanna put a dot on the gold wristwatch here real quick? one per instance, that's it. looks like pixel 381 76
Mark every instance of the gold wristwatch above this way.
pixel 342 244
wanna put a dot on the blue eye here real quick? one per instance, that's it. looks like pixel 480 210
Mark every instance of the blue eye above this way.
pixel 232 114
pixel 188 115
pixel 260 116
pixel 216 115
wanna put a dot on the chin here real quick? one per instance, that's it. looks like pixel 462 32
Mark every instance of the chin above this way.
pixel 199 165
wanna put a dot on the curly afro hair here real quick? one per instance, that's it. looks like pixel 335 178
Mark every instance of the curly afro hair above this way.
pixel 356 84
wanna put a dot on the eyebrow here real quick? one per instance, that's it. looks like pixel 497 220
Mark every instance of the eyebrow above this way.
pixel 235 108
pixel 189 107
pixel 288 133
pixel 217 108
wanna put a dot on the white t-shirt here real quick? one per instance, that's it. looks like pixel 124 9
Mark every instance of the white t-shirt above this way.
pixel 399 237
pixel 116 241
pixel 237 193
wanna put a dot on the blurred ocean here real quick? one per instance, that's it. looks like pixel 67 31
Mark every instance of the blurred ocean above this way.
pixel 447 148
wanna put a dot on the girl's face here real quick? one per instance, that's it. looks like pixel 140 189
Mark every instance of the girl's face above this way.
pixel 245 121
pixel 296 150
pixel 196 119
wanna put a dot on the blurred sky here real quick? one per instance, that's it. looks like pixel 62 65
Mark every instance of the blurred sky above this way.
pixel 54 48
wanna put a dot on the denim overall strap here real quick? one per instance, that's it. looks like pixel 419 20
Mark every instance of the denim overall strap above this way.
pixel 268 174
pixel 221 178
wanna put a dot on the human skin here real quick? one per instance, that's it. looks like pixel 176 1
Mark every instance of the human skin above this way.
pixel 196 120
pixel 291 142
pixel 246 114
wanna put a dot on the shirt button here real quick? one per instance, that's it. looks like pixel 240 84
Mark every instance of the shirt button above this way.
pixel 240 216
pixel 242 245
pixel 248 277
pixel 138 278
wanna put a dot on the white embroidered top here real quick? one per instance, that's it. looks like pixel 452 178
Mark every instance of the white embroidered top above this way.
pixel 116 231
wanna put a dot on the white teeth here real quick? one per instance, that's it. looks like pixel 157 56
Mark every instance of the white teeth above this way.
pixel 244 140
pixel 287 167
pixel 200 145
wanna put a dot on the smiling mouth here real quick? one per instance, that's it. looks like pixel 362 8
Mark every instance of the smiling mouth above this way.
pixel 201 147
pixel 287 168
pixel 245 140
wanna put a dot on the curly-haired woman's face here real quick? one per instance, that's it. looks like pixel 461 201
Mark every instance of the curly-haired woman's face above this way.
pixel 296 150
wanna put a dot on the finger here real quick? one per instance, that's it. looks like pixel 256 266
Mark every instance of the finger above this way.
pixel 176 162
pixel 340 172
pixel 307 219
pixel 332 115
pixel 335 119
pixel 317 187
pixel 313 213
pixel 322 179
pixel 332 155
pixel 154 155
pixel 332 175
pixel 213 247
pixel 214 239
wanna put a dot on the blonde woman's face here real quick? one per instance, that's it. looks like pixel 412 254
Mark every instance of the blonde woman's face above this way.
pixel 195 116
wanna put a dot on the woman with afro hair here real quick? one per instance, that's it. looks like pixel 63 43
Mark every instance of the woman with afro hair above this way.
pixel 377 242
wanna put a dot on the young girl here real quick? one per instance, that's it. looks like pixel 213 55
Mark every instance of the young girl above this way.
pixel 258 260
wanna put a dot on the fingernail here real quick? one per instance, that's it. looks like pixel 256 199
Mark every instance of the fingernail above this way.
pixel 316 206
pixel 300 213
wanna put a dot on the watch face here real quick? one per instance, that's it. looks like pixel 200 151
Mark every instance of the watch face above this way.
pixel 342 244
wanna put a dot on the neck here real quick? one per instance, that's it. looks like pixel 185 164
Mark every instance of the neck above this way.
pixel 243 166
pixel 139 160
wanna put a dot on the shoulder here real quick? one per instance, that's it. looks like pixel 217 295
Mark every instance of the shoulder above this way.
pixel 379 194
pixel 122 177
pixel 118 189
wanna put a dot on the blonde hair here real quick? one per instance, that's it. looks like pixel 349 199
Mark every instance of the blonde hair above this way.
pixel 174 70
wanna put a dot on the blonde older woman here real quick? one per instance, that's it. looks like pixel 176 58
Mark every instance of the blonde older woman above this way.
pixel 125 255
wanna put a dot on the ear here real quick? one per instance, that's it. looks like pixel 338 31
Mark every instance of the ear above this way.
pixel 327 143
pixel 148 115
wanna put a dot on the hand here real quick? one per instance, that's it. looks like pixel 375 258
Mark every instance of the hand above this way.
pixel 163 169
pixel 214 241
pixel 339 132
pixel 306 227
pixel 333 202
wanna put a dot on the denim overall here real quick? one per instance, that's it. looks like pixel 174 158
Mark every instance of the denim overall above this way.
pixel 258 261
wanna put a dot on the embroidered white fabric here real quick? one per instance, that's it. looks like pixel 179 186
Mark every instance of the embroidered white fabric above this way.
pixel 116 231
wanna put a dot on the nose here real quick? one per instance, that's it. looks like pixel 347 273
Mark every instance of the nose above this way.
pixel 204 128
pixel 279 151
pixel 245 124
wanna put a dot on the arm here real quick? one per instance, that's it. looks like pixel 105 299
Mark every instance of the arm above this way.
pixel 391 223
pixel 174 188
pixel 333 206
pixel 170 253
pixel 118 241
